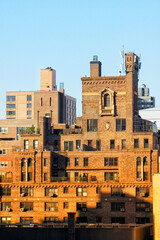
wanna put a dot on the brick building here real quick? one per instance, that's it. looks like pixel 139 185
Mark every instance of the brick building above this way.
pixel 102 171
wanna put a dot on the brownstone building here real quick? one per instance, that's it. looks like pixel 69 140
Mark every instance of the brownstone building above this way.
pixel 102 171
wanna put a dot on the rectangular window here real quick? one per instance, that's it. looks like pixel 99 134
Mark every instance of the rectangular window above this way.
pixel 29 97
pixel 142 220
pixel 65 190
pixel 85 162
pixel 29 112
pixel 45 162
pixel 120 125
pixel 26 192
pixel 2 151
pixel 117 206
pixel 6 220
pixel 78 144
pixel 120 220
pixel 67 175
pixel 142 192
pixel 51 206
pixel 29 105
pixel 45 176
pixel 98 219
pixel 26 144
pixel 98 145
pixel 110 161
pixel 3 164
pixel 51 219
pixel 123 143
pixel 136 143
pixel 26 206
pixel 112 144
pixel 119 192
pixel 65 205
pixel 81 192
pixel 26 220
pixel 3 129
pixel 85 177
pixel 82 206
pixel 67 162
pixel 90 143
pixel 92 125
pixel 76 162
pixel 111 176
pixel 76 177
pixel 68 146
pixel 146 143
pixel 35 144
pixel 10 98
pixel 98 205
pixel 51 192
pixel 98 190
pixel 6 206
pixel 142 207
pixel 10 113
pixel 6 191
pixel 10 105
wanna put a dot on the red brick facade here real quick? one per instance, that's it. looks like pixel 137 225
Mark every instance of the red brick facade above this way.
pixel 103 172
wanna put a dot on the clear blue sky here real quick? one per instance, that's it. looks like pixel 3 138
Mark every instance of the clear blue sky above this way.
pixel 65 34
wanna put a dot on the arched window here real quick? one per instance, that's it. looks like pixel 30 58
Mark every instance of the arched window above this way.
pixel 23 160
pixel 138 161
pixel 107 100
pixel 145 161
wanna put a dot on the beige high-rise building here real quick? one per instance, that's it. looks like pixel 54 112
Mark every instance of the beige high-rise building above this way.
pixel 48 102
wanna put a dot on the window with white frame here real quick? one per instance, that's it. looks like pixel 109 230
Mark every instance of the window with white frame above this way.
pixel 3 129
pixel 82 192
pixel 26 144
pixel 35 144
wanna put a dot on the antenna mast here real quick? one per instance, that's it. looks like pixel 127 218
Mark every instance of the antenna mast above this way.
pixel 122 64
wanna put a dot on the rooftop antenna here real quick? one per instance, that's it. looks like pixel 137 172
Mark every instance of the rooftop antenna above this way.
pixel 122 56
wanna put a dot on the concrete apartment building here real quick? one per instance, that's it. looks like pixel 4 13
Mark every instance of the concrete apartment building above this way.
pixel 144 100
pixel 102 172
pixel 48 102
